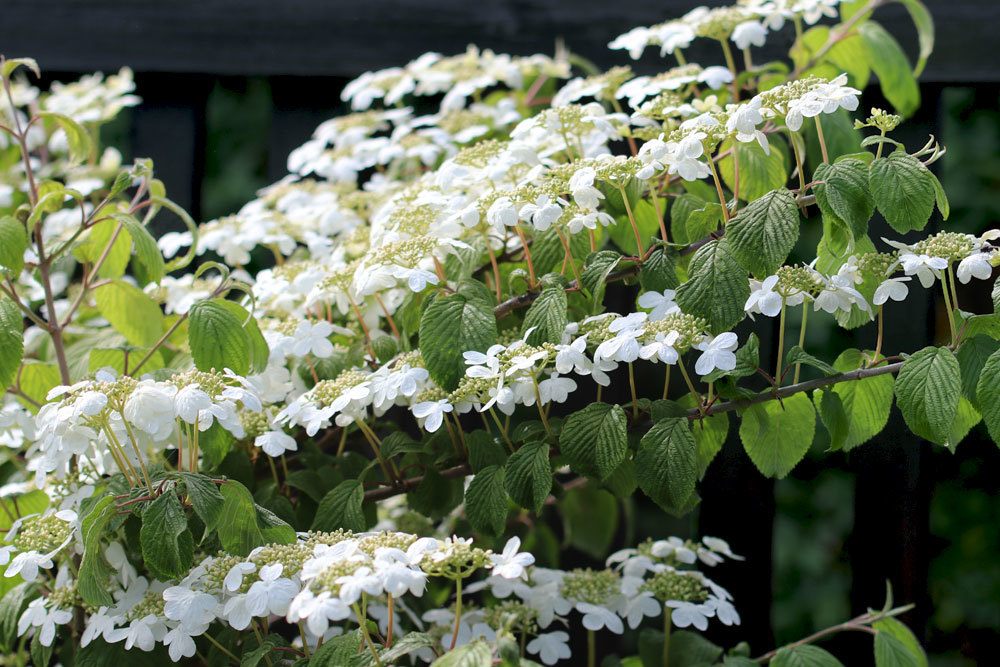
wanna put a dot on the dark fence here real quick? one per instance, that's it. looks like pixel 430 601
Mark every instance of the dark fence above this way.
pixel 306 50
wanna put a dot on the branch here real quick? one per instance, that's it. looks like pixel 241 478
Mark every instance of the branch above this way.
pixel 411 483
pixel 785 392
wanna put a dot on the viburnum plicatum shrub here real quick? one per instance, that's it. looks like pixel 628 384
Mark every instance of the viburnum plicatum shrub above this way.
pixel 336 460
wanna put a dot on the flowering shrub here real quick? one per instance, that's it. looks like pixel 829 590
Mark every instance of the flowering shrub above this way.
pixel 209 460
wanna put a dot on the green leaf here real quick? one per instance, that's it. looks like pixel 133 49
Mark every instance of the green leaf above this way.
pixel 924 24
pixel 903 191
pixel 759 172
pixel 659 272
pixel 217 338
pixel 11 341
pixel 547 316
pixel 98 239
pixel 452 325
pixel 484 450
pixel 595 440
pixel 844 193
pixel 148 259
pixel 590 519
pixel 95 572
pixel 972 357
pixel 130 311
pixel 595 274
pixel 902 634
pixel 528 476
pixel 927 391
pixel 777 434
pixel 717 288
pixel 123 359
pixel 646 221
pixel 77 137
pixel 486 501
pixel 890 64
pixel 167 544
pixel 475 654
pixel 205 497
pixel 16 506
pixel 796 355
pixel 11 64
pixel 341 508
pixel 988 395
pixel 13 243
pixel 763 233
pixel 806 655
pixel 409 643
pixel 242 525
pixel 891 652
pixel 37 379
pixel 666 465
pixel 338 651
pixel 259 351
pixel 11 607
pixel 856 411
pixel 709 435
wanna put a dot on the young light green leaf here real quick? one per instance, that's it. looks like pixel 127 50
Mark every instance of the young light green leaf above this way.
pixel 927 391
pixel 95 572
pixel 805 655
pixel 595 440
pixel 12 606
pixel 13 243
pixel 891 652
pixel 528 475
pixel 717 288
pixel 167 544
pixel 341 508
pixel 547 317
pixel 486 501
pixel 452 325
pixel 148 259
pixel 763 233
pixel 924 24
pixel 11 341
pixel 130 311
pixel 893 627
pixel 854 412
pixel 903 190
pixel 988 395
pixel 78 139
pixel 476 654
pixel 796 355
pixel 110 240
pixel 892 68
pixel 36 380
pixel 10 65
pixel 666 464
pixel 217 338
pixel 759 172
pixel 777 434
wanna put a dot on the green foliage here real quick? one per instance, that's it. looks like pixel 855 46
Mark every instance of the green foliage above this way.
pixel 486 501
pixel 547 317
pixel 167 543
pixel 595 439
pixel 528 476
pixel 130 311
pixel 776 435
pixel 341 508
pixel 927 391
pixel 11 341
pixel 94 569
pixel 854 412
pixel 218 337
pixel 806 655
pixel 764 232
pixel 717 287
pixel 988 395
pixel 904 191
pixel 452 324
pixel 666 464
pixel 844 194
pixel 13 243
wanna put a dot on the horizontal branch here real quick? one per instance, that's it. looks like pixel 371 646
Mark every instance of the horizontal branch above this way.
pixel 785 392
pixel 526 299
pixel 411 483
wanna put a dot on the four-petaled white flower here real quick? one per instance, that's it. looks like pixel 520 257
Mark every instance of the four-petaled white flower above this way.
pixel 510 564
pixel 716 353
pixel 550 647
pixel 596 617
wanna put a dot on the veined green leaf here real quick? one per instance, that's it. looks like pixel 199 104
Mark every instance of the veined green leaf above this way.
pixel 777 434
pixel 927 391
pixel 13 243
pixel 717 288
pixel 904 191
pixel 595 440
pixel 666 464
pixel 486 501
pixel 452 325
pixel 528 475
pixel 11 341
pixel 130 311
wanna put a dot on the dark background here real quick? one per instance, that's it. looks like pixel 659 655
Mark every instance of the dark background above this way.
pixel 231 86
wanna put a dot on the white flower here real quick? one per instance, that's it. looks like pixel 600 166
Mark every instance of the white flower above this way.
pixel 764 299
pixel 510 564
pixel 550 647
pixel 37 616
pixel 573 358
pixel 234 578
pixel 190 403
pixel 596 618
pixel 976 265
pixel 313 339
pixel 190 608
pixel 150 408
pixel 662 348
pixel 724 611
pixel 27 564
pixel 717 353
pixel 838 293
pixel 141 633
pixel 893 288
pixel 180 643
pixel 686 614
pixel 100 624
pixel 556 389
pixel 432 412
pixel 924 267
pixel 272 594
pixel 276 443
pixel 581 185
pixel 749 33
pixel 660 304
pixel 639 607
